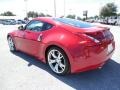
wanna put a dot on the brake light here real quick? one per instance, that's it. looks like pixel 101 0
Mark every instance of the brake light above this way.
pixel 84 39
pixel 93 38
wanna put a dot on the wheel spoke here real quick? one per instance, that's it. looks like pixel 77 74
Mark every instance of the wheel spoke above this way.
pixel 56 68
pixel 11 43
pixel 59 56
pixel 52 61
pixel 62 66
pixel 53 54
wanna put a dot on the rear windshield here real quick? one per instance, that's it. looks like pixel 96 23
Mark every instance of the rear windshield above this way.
pixel 74 22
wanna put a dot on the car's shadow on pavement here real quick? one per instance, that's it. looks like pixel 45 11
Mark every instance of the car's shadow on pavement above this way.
pixel 107 78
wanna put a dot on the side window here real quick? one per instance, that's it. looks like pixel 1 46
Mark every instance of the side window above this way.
pixel 47 26
pixel 35 26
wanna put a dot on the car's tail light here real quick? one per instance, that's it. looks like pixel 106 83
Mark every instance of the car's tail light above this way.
pixel 100 36
pixel 95 37
pixel 85 39
pixel 96 40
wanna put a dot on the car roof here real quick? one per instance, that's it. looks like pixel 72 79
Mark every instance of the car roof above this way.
pixel 46 19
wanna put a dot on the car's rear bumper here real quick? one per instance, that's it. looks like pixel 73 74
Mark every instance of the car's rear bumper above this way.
pixel 93 58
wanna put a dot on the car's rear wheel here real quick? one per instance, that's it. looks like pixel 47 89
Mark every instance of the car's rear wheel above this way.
pixel 58 61
pixel 11 44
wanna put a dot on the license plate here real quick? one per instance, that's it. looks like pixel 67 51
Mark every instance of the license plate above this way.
pixel 110 48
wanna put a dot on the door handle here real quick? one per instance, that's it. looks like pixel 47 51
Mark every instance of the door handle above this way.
pixel 39 38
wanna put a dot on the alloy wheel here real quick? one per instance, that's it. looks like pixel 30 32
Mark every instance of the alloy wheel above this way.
pixel 11 44
pixel 56 61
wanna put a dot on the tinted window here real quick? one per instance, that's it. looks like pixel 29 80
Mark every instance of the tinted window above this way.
pixel 47 26
pixel 74 22
pixel 35 26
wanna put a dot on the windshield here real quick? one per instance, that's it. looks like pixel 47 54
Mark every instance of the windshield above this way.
pixel 74 22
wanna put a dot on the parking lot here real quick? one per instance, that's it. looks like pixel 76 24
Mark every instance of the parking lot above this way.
pixel 19 71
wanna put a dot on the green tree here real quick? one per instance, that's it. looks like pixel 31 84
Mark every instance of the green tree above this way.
pixel 71 16
pixel 32 14
pixel 8 13
pixel 35 14
pixel 110 9
pixel 48 15
pixel 96 16
pixel 41 15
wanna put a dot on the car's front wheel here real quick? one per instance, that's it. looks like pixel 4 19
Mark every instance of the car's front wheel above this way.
pixel 58 61
pixel 11 44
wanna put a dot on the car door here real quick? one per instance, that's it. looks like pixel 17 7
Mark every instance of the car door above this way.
pixel 33 37
pixel 19 40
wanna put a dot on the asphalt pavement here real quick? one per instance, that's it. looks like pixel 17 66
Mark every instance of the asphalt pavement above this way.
pixel 19 71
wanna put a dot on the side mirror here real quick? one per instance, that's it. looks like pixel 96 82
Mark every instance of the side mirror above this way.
pixel 21 27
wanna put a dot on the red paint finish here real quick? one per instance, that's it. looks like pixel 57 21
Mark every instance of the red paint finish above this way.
pixel 84 52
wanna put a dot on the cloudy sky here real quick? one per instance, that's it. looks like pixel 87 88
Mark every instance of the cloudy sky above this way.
pixel 47 6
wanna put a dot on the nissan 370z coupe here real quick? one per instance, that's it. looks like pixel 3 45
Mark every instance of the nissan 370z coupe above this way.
pixel 66 45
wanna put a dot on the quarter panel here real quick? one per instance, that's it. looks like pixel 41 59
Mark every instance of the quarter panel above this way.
pixel 63 39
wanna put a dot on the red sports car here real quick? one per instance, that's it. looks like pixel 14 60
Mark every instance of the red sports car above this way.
pixel 67 45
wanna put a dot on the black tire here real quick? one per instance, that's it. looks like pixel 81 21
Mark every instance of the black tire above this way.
pixel 12 48
pixel 67 64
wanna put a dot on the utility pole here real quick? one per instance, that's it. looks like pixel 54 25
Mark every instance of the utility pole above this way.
pixel 55 8
pixel 85 13
pixel 26 7
pixel 64 8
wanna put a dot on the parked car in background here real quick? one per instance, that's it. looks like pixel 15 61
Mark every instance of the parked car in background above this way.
pixel 90 20
pixel 112 20
pixel 66 45
pixel 20 21
pixel 13 21
pixel 1 21
pixel 9 22
pixel 102 21
pixel 118 21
